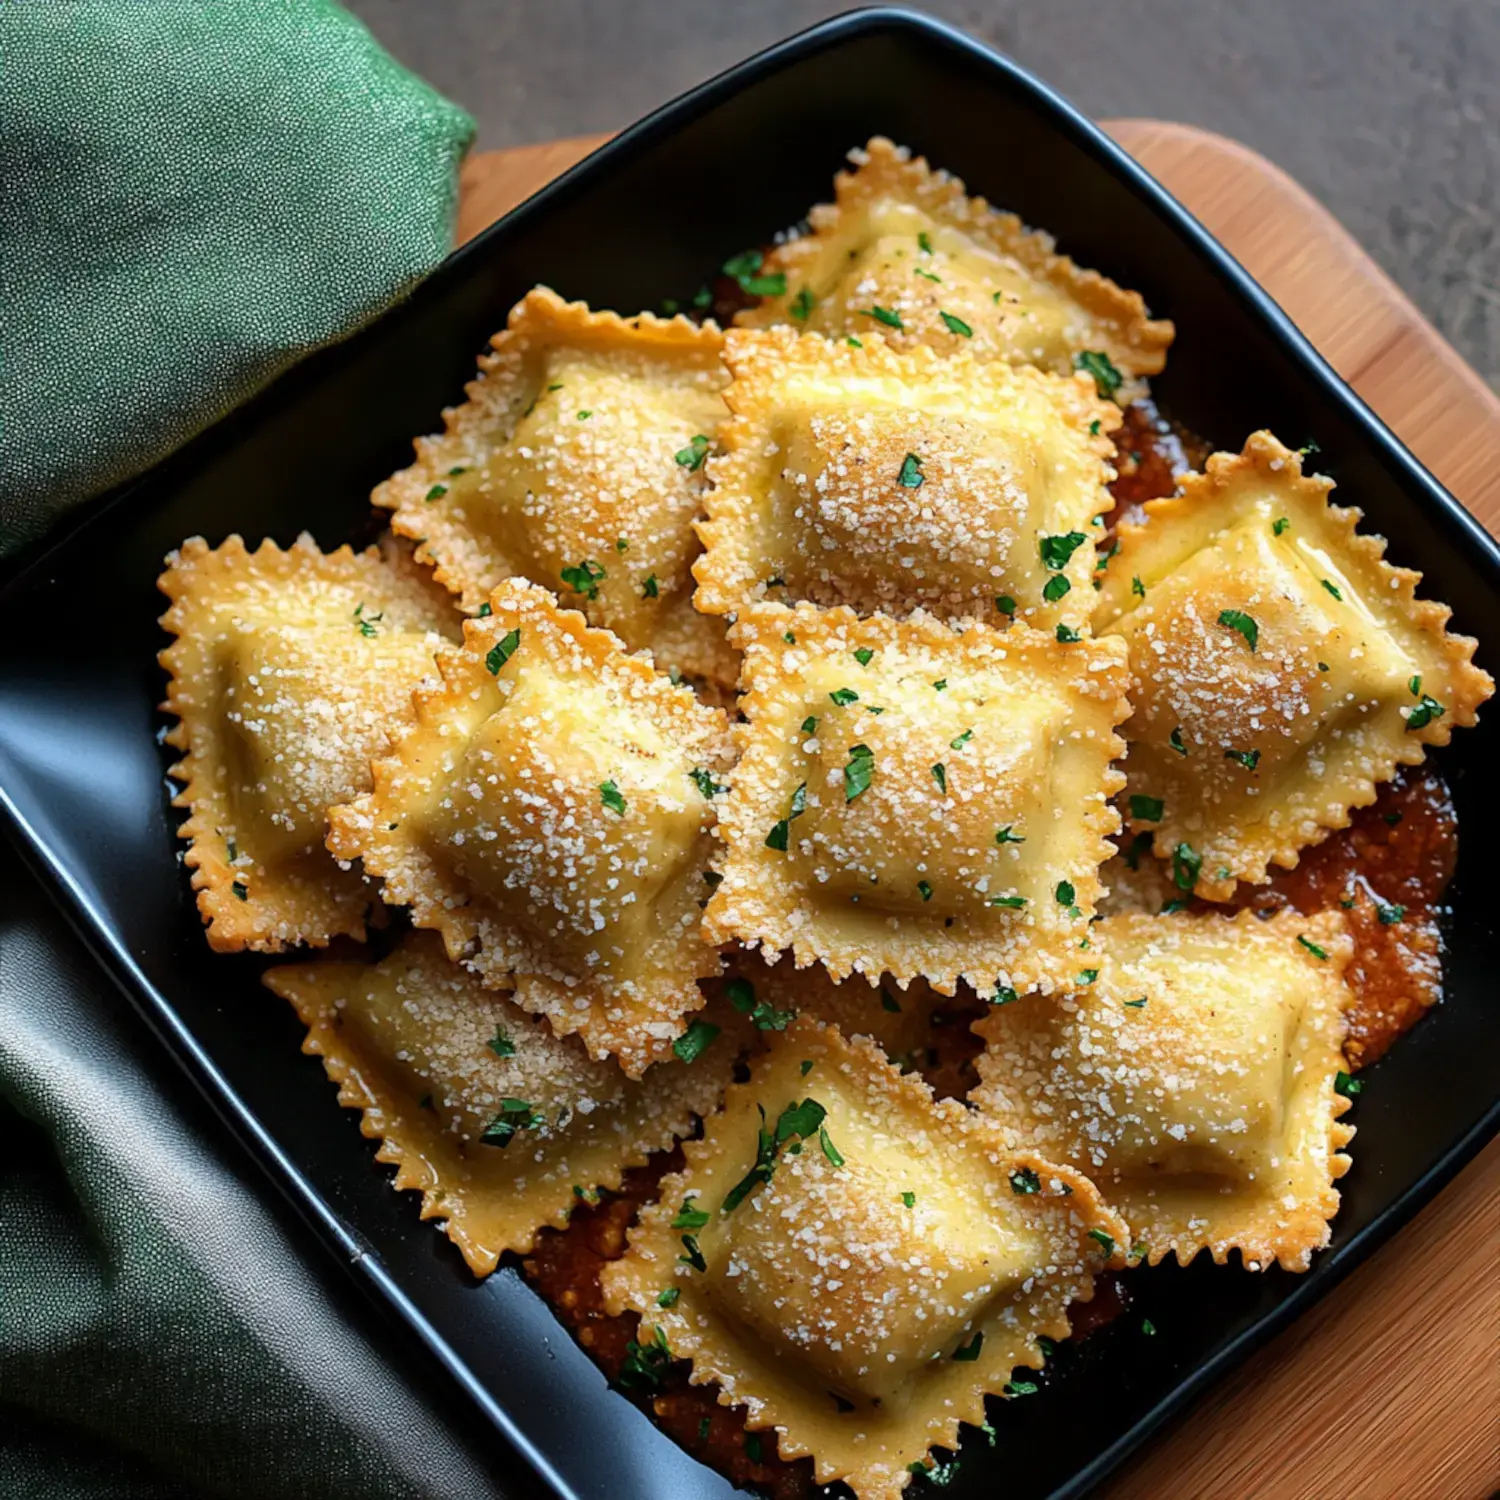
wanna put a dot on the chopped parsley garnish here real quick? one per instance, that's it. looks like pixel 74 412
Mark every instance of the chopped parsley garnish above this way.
pixel 366 623
pixel 810 724
pixel 1020 1388
pixel 1424 713
pixel 691 458
pixel 1055 587
pixel 1178 903
pixel 612 798
pixel 803 1120
pixel 853 342
pixel 1087 976
pixel 941 683
pixel 1098 364
pixel 802 305
pixel 1175 741
pixel 1186 863
pixel 500 1044
pixel 956 325
pixel 1137 587
pixel 583 416
pixel 1067 635
pixel 777 837
pixel 863 655
pixel 231 850
pixel 241 890
pixel 805 1066
pixel 924 890
pixel 694 1257
pixel 668 1296
pixel 1148 1327
pixel 622 543
pixel 909 1199
pixel 705 782
pixel 1056 550
pixel 910 475
pixel 1065 893
pixel 1237 619
pixel 1094 428
pixel 1105 1241
pixel 1005 836
pixel 584 579
pixel 843 697
pixel 1249 759
pixel 484 611
pixel 1332 589
pixel 650 589
pixel 763 1015
pixel 928 274
pixel 940 775
pixel 1014 903
pixel 1389 915
pixel 702 298
pixel 745 269
pixel 691 1045
pixel 1147 809
pixel 829 1149
pixel 1005 604
pixel 645 1364
pixel 1312 947
pixel 437 492
pixel 886 316
pixel 689 1217
pixel 514 1115
pixel 970 1351
pixel 1345 1085
pixel 1004 995
pixel 502 651
pixel 924 242
pixel 962 740
pixel 1415 684
pixel 1136 1004
pixel 1108 552
pixel 1280 524
pixel 1024 1181
pixel 1138 846
pixel 859 772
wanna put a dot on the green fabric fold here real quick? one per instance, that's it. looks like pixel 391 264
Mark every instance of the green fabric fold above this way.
pixel 195 194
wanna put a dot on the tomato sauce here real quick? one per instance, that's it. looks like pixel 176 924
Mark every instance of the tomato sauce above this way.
pixel 1387 873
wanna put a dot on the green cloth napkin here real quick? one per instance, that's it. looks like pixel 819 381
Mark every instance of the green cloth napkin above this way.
pixel 193 194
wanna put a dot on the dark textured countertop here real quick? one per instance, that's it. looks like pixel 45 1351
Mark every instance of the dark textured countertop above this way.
pixel 1387 110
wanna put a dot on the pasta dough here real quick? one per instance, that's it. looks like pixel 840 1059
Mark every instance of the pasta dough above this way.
pixel 868 1262
pixel 577 462
pixel 890 481
pixel 904 253
pixel 285 675
pixel 1282 667
pixel 550 812
pixel 918 800
pixel 1193 1079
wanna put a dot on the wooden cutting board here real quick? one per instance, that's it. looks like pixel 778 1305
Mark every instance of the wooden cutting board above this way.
pixel 1390 1388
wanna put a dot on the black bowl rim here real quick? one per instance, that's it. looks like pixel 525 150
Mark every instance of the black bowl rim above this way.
pixel 359 1258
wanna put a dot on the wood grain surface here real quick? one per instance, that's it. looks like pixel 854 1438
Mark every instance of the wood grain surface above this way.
pixel 1390 1388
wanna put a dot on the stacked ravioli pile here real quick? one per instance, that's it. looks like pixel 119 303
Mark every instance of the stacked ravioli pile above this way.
pixel 722 704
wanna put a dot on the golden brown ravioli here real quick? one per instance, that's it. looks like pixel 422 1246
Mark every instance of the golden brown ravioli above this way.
pixel 550 812
pixel 894 481
pixel 286 674
pixel 903 252
pixel 577 462
pixel 1282 668
pixel 918 799
pixel 855 1263
pixel 500 1125
pixel 1194 1078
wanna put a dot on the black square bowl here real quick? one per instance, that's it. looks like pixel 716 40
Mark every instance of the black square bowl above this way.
pixel 81 774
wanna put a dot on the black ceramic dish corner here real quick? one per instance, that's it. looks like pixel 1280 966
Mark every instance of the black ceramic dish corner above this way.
pixel 81 777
